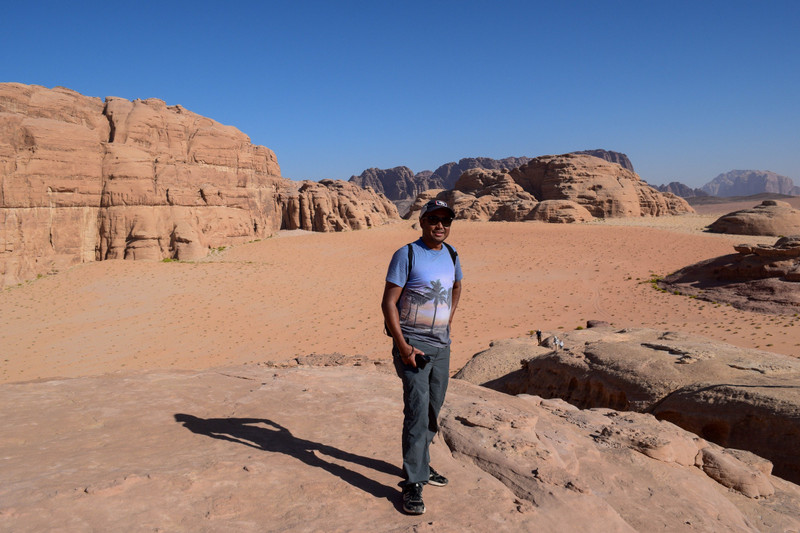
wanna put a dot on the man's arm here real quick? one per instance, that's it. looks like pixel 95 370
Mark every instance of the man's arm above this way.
pixel 391 293
pixel 454 300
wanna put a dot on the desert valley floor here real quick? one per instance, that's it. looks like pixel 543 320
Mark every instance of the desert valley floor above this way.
pixel 299 293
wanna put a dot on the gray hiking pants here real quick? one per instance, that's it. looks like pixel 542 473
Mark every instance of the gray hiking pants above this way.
pixel 423 396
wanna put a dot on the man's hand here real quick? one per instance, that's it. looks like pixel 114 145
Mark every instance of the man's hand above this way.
pixel 408 354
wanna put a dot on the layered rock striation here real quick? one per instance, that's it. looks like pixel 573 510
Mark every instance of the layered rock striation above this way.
pixel 562 188
pixel 85 179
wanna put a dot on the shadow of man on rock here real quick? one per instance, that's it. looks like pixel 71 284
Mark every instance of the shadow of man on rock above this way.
pixel 269 436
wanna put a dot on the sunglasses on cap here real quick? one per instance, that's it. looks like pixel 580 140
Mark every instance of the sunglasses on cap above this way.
pixel 433 220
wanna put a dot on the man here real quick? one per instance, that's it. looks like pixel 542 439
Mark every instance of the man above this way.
pixel 423 286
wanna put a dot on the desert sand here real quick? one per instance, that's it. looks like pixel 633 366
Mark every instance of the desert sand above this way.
pixel 299 293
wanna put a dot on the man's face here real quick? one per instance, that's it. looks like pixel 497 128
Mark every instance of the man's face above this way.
pixel 433 226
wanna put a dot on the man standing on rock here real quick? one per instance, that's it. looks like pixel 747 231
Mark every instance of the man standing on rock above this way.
pixel 423 286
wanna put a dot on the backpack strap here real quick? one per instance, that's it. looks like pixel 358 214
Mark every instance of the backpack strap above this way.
pixel 453 253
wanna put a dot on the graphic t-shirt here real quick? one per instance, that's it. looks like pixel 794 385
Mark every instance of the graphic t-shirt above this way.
pixel 424 306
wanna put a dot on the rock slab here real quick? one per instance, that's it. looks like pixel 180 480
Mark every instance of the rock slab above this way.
pixel 259 448
pixel 738 398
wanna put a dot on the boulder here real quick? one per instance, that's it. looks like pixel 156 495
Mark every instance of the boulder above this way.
pixel 771 217
pixel 316 448
pixel 83 179
pixel 736 397
pixel 763 278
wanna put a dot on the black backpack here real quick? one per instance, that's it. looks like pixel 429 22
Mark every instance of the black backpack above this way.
pixel 453 255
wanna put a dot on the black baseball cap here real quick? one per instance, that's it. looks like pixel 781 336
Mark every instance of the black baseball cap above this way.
pixel 433 205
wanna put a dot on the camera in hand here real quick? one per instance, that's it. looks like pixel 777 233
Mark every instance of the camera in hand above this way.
pixel 422 360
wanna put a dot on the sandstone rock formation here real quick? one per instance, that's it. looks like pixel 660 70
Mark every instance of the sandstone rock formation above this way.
pixel 483 195
pixel 605 189
pixel 612 157
pixel 332 205
pixel 259 448
pixel 738 398
pixel 570 188
pixel 749 182
pixel 771 217
pixel 82 179
pixel 759 278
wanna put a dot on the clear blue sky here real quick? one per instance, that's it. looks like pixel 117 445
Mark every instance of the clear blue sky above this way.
pixel 687 89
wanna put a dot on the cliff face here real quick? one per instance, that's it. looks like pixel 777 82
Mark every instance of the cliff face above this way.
pixel 750 182
pixel 82 179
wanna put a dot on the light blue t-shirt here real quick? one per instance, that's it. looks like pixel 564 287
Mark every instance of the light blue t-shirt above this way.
pixel 424 306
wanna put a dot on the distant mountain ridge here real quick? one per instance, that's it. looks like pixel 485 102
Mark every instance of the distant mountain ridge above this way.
pixel 737 183
pixel 749 182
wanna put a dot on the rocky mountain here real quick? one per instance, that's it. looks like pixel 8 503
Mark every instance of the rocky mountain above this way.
pixel 679 189
pixel 398 183
pixel 749 182
pixel 85 179
pixel 563 188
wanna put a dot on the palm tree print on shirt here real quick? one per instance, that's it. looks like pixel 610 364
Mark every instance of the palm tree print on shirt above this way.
pixel 416 299
pixel 437 294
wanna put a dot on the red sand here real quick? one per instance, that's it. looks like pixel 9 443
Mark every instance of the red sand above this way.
pixel 301 293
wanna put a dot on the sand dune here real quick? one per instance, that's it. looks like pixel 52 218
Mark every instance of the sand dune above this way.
pixel 300 293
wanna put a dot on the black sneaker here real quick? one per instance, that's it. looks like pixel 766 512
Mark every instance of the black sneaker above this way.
pixel 436 479
pixel 412 498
